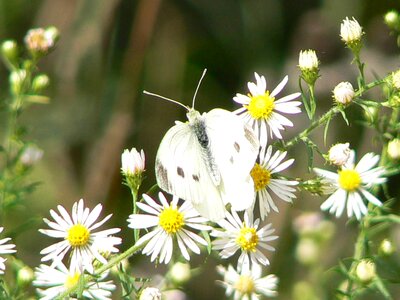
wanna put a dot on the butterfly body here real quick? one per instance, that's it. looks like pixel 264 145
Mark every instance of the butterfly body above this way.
pixel 207 160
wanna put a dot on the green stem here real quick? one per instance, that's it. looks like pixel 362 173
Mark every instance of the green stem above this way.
pixel 327 116
pixel 114 261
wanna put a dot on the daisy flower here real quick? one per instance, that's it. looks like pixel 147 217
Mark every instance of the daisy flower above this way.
pixel 351 183
pixel 248 284
pixel 244 236
pixel 265 180
pixel 170 222
pixel 5 249
pixel 59 279
pixel 78 235
pixel 263 111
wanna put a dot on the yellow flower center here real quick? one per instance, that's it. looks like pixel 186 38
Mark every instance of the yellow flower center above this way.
pixel 247 238
pixel 261 177
pixel 349 179
pixel 171 220
pixel 72 280
pixel 245 285
pixel 78 235
pixel 261 106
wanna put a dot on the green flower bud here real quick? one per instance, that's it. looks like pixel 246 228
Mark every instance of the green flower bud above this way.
pixel 40 83
pixel 9 50
pixel 392 20
pixel 25 276
pixel 386 248
pixel 366 271
pixel 17 80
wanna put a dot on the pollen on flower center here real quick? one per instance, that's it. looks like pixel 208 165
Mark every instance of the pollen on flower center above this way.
pixel 349 179
pixel 247 239
pixel 245 285
pixel 71 280
pixel 261 106
pixel 171 220
pixel 261 177
pixel 78 235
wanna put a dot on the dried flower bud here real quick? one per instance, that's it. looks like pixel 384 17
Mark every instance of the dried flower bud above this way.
pixel 394 149
pixel 366 271
pixel 39 40
pixel 343 93
pixel 339 154
pixel 350 32
pixel 308 64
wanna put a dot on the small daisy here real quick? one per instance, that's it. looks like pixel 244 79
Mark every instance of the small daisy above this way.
pixel 265 180
pixel 351 183
pixel 79 236
pixel 262 111
pixel 5 249
pixel 245 236
pixel 60 279
pixel 169 221
pixel 248 284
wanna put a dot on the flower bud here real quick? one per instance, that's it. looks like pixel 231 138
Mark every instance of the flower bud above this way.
pixel 132 162
pixel 53 34
pixel 150 293
pixel 308 251
pixel 343 93
pixel 9 49
pixel 31 155
pixel 392 20
pixel 351 33
pixel 180 273
pixel 308 64
pixel 366 271
pixel 339 154
pixel 25 276
pixel 394 149
pixel 40 83
pixel 386 247
pixel 17 80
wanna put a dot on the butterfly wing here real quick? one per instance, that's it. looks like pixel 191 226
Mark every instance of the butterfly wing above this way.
pixel 182 171
pixel 234 147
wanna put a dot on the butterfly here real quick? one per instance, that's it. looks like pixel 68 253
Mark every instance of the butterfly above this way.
pixel 207 160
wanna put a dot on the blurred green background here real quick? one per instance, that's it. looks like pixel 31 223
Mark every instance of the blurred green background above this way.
pixel 110 51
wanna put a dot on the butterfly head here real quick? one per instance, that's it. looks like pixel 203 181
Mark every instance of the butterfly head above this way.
pixel 192 115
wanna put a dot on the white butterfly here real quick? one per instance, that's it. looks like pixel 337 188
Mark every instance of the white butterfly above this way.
pixel 207 161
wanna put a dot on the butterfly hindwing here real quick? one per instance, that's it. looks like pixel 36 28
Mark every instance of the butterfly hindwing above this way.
pixel 234 147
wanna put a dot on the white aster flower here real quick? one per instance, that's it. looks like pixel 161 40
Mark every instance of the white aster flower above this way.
pixel 339 154
pixel 350 31
pixel 132 162
pixel 351 183
pixel 170 221
pixel 248 284
pixel 244 236
pixel 265 180
pixel 59 279
pixel 78 235
pixel 263 112
pixel 5 249
pixel 343 93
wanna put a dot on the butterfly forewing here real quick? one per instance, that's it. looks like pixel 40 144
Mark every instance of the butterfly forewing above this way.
pixel 181 170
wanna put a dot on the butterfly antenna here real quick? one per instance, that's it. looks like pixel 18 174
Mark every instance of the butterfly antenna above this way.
pixel 198 86
pixel 165 98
